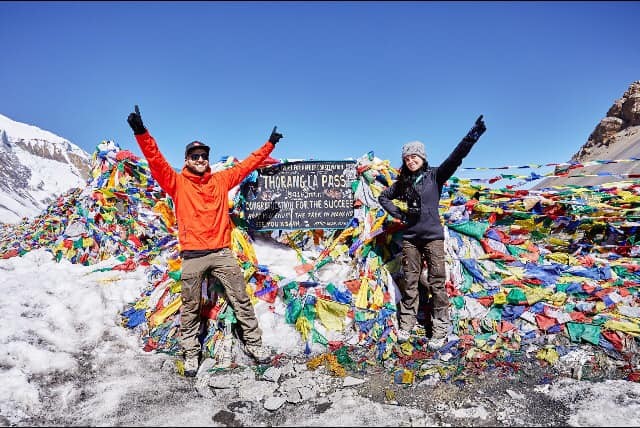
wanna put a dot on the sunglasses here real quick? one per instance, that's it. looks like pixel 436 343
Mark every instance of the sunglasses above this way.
pixel 196 156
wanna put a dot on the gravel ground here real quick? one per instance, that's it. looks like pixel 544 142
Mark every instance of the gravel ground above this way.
pixel 484 399
pixel 514 394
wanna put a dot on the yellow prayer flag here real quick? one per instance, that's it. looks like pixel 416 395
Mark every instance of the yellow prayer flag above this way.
pixel 378 298
pixel 331 314
pixel 304 327
pixel 558 298
pixel 362 298
pixel 499 298
pixel 174 264
pixel 628 327
pixel 549 355
pixel 534 295
pixel 159 316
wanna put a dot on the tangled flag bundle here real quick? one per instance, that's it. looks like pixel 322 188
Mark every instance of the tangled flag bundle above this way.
pixel 530 274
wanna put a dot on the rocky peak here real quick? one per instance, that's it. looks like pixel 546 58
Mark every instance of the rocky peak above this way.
pixel 62 153
pixel 622 116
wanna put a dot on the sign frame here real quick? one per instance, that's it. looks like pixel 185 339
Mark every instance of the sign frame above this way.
pixel 301 195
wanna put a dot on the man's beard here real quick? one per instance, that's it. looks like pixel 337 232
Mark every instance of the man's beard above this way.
pixel 195 171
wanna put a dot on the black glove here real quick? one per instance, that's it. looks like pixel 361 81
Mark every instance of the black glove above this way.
pixel 478 129
pixel 274 137
pixel 135 122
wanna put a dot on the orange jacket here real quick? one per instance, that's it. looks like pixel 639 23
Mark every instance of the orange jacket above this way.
pixel 201 203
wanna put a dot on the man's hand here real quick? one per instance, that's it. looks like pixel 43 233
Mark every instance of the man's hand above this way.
pixel 135 122
pixel 395 220
pixel 275 136
pixel 478 129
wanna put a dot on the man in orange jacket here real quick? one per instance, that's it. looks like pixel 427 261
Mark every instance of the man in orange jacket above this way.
pixel 201 205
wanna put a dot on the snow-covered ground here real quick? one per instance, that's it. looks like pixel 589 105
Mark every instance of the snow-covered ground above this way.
pixel 65 360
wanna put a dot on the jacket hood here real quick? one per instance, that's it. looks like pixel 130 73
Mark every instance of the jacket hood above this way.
pixel 186 173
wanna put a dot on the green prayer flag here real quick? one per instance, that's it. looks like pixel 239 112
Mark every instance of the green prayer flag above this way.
pixel 494 314
pixel 458 302
pixel 475 229
pixel 587 332
pixel 318 338
pixel 293 311
pixel 516 296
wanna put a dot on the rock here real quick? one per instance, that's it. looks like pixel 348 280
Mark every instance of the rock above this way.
pixel 306 393
pixel 287 369
pixel 300 368
pixel 624 113
pixel 631 110
pixel 352 381
pixel 273 403
pixel 432 380
pixel 292 383
pixel 605 130
pixel 616 136
pixel 256 390
pixel 293 396
pixel 515 395
pixel 616 109
pixel 169 366
pixel 226 380
pixel 202 387
pixel 272 374
pixel 204 368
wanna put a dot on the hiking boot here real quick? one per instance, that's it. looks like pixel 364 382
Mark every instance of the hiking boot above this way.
pixel 403 335
pixel 419 330
pixel 258 353
pixel 436 343
pixel 191 366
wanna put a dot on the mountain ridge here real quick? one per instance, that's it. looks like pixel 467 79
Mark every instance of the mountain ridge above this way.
pixel 35 167
pixel 615 137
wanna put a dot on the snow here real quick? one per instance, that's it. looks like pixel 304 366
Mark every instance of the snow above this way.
pixel 13 210
pixel 607 404
pixel 65 359
pixel 48 178
pixel 18 130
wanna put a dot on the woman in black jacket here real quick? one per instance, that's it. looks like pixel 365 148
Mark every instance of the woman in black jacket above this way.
pixel 420 186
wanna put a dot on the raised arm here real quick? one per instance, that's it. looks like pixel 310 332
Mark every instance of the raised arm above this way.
pixel 233 176
pixel 161 171
pixel 449 166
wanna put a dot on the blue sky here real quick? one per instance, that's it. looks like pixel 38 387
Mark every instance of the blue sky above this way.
pixel 339 79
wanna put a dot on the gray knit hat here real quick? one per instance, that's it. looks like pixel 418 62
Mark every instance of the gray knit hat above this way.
pixel 414 148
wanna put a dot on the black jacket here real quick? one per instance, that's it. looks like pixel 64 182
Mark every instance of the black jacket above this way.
pixel 426 226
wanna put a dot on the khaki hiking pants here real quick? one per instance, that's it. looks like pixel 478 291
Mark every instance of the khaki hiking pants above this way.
pixel 222 265
pixel 412 261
